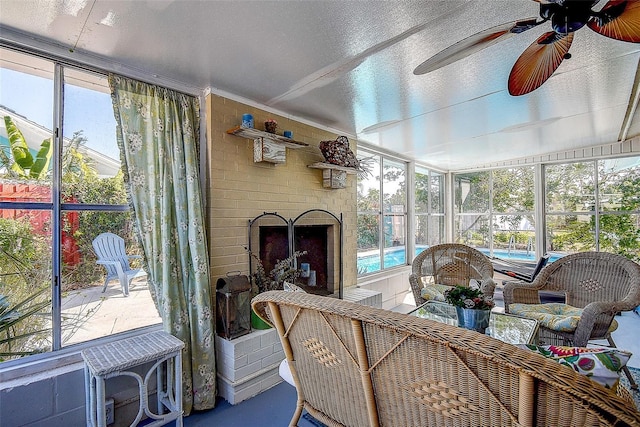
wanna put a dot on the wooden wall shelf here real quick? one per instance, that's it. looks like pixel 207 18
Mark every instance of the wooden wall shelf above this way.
pixel 333 176
pixel 254 134
pixel 322 165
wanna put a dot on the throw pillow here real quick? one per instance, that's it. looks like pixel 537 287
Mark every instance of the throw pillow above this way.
pixel 434 292
pixel 602 365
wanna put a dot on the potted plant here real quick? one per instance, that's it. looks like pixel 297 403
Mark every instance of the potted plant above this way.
pixel 270 125
pixel 284 270
pixel 472 306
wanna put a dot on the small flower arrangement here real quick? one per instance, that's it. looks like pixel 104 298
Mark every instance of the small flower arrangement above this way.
pixel 283 271
pixel 270 125
pixel 465 297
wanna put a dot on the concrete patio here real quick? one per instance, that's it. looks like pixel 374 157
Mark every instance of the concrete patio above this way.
pixel 103 314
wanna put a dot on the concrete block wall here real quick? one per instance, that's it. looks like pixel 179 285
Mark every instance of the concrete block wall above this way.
pixel 56 397
pixel 57 400
pixel 248 365
pixel 237 189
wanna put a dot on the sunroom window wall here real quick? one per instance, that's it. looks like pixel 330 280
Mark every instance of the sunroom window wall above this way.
pixel 381 214
pixel 494 212
pixel 593 206
pixel 428 208
pixel 53 206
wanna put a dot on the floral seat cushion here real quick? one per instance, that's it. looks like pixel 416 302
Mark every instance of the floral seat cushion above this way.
pixel 602 365
pixel 555 316
pixel 434 292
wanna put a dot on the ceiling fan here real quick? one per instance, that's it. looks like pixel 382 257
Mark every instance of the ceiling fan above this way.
pixel 618 19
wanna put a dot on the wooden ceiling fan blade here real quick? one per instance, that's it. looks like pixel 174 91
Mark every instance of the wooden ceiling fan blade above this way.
pixel 619 20
pixel 538 62
pixel 474 43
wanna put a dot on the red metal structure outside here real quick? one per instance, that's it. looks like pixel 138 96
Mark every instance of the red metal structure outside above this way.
pixel 41 220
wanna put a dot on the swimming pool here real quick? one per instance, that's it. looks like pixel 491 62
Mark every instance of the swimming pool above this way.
pixel 396 256
pixel 518 255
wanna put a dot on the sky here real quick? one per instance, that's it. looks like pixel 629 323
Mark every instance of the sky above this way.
pixel 87 110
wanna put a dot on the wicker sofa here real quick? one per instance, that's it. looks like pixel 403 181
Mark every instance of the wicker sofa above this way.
pixel 355 365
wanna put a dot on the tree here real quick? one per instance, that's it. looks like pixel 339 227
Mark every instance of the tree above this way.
pixel 24 301
pixel 368 226
pixel 571 188
pixel 21 164
pixel 472 196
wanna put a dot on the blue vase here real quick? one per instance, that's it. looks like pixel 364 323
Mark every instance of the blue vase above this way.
pixel 247 121
pixel 475 320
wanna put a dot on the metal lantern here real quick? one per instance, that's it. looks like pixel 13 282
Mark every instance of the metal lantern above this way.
pixel 233 306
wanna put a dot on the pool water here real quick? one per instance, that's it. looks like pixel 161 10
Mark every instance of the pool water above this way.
pixel 396 256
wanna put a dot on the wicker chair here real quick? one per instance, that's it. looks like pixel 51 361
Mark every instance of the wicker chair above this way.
pixel 602 284
pixel 451 264
pixel 355 365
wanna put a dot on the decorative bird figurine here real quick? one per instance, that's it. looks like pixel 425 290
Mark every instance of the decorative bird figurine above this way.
pixel 338 153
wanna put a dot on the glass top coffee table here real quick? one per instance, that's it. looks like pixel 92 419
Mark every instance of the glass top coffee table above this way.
pixel 505 327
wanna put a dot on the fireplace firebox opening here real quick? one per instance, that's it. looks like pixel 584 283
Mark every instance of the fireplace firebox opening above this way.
pixel 317 232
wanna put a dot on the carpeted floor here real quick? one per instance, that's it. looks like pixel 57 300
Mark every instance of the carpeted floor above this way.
pixel 273 407
pixel 312 420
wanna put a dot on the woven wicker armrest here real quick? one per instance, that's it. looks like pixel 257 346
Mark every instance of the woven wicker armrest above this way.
pixel 517 291
pixel 416 285
pixel 595 320
pixel 355 365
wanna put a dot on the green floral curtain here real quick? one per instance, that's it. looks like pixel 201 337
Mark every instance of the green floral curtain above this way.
pixel 158 136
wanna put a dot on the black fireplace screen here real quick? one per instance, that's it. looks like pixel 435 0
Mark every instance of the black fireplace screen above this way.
pixel 317 232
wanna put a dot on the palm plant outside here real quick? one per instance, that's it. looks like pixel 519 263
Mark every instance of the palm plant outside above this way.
pixel 21 163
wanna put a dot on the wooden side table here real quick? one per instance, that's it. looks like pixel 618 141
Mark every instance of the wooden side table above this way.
pixel 117 358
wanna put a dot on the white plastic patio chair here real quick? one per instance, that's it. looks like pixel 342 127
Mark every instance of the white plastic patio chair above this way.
pixel 109 249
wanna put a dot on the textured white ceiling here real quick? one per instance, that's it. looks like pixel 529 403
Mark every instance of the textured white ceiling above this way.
pixel 349 65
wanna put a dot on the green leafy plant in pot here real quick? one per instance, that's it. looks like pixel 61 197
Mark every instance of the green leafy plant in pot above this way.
pixel 472 306
pixel 284 271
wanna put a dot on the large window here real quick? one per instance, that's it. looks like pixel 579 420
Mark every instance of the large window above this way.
pixel 512 213
pixel 56 196
pixel 588 206
pixel 428 208
pixel 471 203
pixel 494 212
pixel 382 214
pixel 594 205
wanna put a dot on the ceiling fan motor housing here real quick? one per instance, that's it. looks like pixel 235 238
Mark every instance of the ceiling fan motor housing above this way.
pixel 567 16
